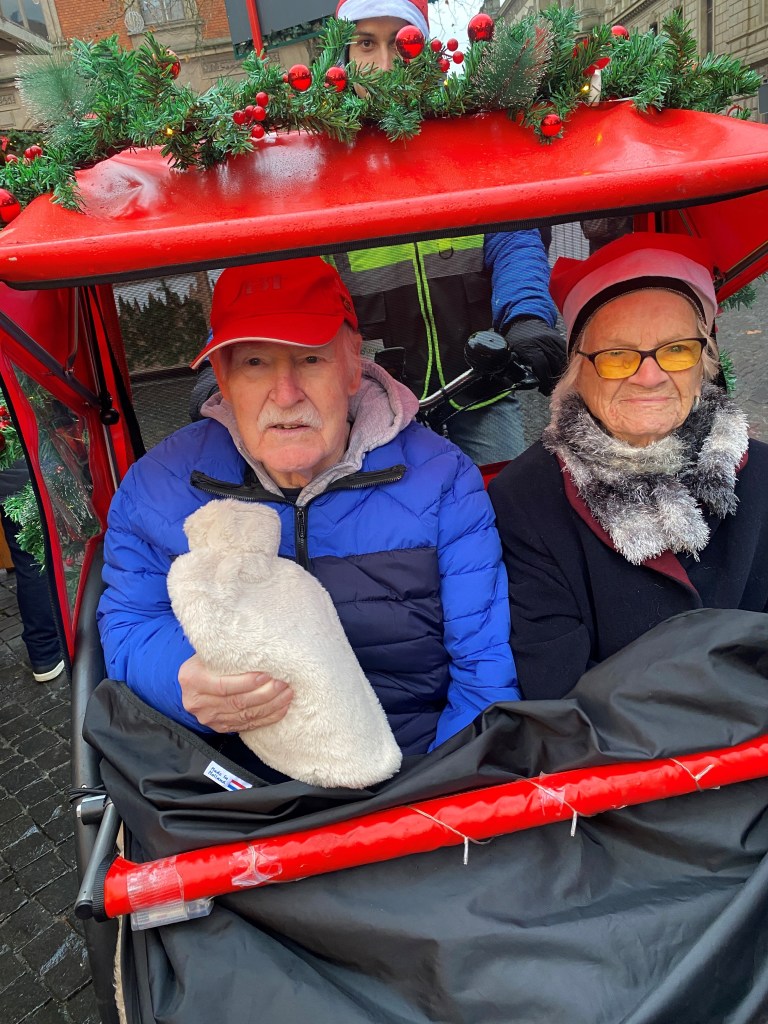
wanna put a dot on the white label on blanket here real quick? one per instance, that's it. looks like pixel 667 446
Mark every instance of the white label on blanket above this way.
pixel 225 779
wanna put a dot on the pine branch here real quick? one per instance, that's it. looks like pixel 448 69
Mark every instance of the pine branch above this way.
pixel 511 67
pixel 22 509
pixel 100 99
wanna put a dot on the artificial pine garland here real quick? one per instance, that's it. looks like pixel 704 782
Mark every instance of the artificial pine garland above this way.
pixel 21 508
pixel 99 99
pixel 75 520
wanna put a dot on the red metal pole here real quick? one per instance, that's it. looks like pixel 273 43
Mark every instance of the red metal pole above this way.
pixel 446 821
pixel 253 21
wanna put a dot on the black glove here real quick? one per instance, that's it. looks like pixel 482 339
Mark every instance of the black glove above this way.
pixel 534 343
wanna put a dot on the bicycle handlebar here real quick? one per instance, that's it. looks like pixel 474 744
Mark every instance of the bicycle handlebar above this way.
pixel 493 369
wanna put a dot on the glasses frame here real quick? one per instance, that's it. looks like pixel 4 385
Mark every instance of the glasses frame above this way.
pixel 644 353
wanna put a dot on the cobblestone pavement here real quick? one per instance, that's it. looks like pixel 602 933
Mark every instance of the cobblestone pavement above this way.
pixel 44 976
pixel 743 334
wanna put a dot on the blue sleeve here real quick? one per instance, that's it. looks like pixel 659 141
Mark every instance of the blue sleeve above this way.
pixel 144 645
pixel 519 277
pixel 475 604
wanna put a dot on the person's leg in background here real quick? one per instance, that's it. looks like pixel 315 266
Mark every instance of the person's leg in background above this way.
pixel 39 632
pixel 491 434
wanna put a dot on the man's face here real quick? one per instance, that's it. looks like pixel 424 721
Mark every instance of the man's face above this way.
pixel 374 42
pixel 290 403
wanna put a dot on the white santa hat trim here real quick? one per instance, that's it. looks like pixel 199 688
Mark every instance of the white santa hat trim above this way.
pixel 356 10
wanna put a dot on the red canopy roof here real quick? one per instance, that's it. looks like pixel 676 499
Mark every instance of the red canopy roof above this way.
pixel 297 193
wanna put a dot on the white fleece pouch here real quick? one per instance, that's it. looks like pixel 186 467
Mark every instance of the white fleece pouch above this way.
pixel 244 609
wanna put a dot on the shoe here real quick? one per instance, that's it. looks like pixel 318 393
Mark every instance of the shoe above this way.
pixel 45 674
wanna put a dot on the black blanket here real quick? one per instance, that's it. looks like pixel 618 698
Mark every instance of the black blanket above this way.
pixel 649 915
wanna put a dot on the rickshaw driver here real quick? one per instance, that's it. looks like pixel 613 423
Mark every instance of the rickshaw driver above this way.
pixel 429 297
pixel 394 520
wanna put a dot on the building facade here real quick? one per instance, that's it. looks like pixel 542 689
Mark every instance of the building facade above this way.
pixel 735 27
pixel 196 30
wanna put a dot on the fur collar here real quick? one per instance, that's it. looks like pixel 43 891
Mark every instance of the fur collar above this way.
pixel 654 499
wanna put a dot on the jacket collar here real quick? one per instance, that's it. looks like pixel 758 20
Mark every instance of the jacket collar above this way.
pixel 666 563
pixel 654 499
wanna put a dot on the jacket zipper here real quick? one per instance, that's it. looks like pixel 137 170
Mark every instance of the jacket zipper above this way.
pixel 246 492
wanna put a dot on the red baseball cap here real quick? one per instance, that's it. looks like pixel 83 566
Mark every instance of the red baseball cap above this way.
pixel 677 263
pixel 294 302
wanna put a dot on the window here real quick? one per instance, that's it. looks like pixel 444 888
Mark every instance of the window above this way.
pixel 161 12
pixel 26 14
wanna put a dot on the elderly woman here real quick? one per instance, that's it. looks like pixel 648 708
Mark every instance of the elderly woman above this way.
pixel 645 496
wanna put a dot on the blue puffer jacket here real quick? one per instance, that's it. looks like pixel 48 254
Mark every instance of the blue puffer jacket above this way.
pixel 406 546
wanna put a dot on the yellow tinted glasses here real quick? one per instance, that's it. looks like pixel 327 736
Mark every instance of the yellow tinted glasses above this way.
pixel 617 363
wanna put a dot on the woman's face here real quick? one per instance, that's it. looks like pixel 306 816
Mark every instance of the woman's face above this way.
pixel 374 42
pixel 653 402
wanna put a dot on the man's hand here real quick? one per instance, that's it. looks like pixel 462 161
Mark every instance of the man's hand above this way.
pixel 232 703
pixel 534 343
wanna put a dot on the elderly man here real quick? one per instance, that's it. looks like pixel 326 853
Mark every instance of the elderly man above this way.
pixel 391 518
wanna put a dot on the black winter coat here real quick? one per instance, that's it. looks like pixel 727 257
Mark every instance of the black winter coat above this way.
pixel 575 600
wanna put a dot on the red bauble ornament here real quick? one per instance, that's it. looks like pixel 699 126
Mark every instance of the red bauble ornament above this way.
pixel 259 113
pixel 452 44
pixel 240 118
pixel 9 206
pixel 257 132
pixel 436 46
pixel 172 63
pixel 458 57
pixel 620 32
pixel 33 152
pixel 336 78
pixel 262 98
pixel 248 111
pixel 444 64
pixel 299 77
pixel 551 125
pixel 480 28
pixel 409 42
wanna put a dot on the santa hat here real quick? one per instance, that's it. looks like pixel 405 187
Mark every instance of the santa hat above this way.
pixel 676 263
pixel 414 12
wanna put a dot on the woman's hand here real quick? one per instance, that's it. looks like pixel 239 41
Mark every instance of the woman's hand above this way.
pixel 232 703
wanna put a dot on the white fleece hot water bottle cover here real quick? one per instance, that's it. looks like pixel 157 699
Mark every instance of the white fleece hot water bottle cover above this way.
pixel 244 609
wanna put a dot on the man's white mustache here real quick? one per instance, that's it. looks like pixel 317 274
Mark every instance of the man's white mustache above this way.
pixel 306 416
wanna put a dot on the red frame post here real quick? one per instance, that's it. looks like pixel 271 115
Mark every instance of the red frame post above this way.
pixel 253 20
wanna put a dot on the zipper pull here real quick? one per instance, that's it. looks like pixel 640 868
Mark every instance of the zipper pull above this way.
pixel 301 522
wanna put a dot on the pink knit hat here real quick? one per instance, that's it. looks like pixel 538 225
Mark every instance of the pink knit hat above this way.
pixel 414 12
pixel 676 263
